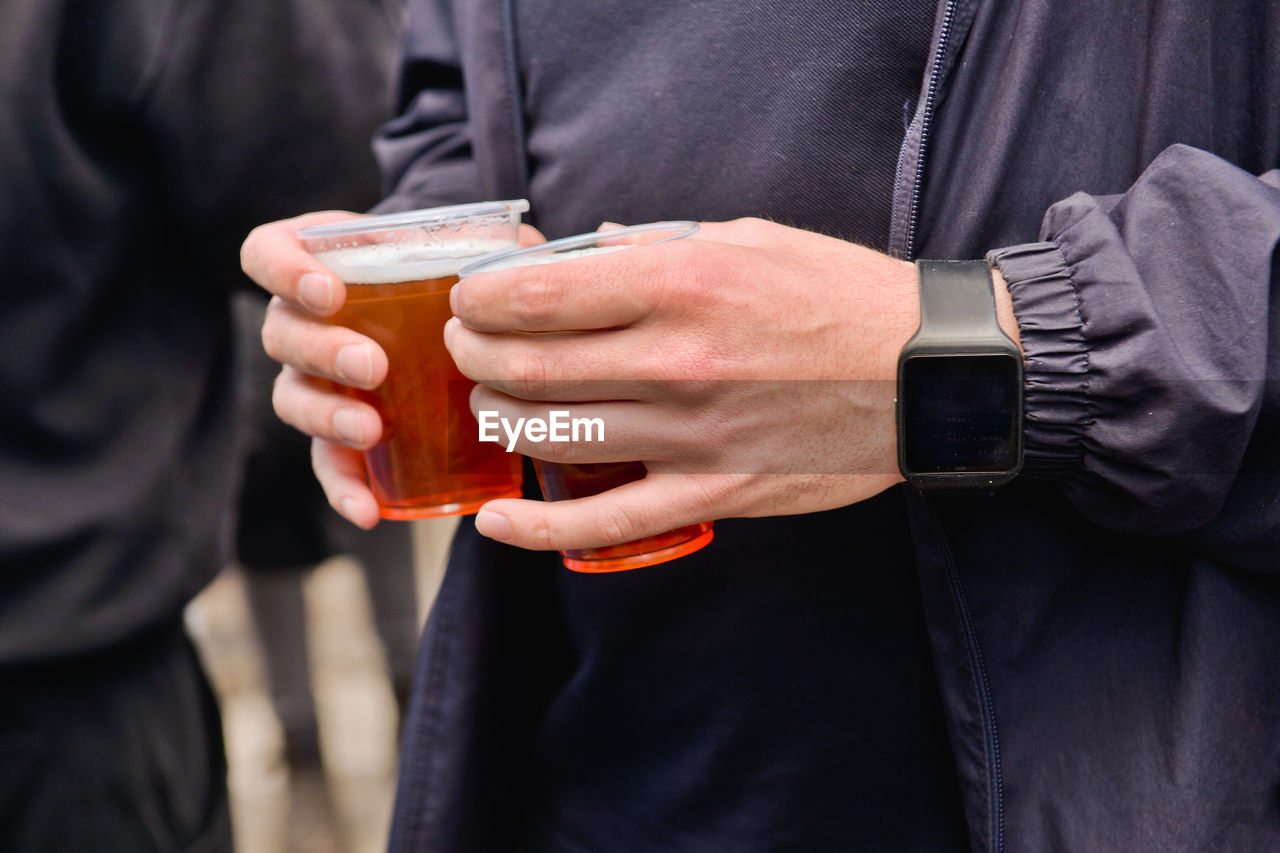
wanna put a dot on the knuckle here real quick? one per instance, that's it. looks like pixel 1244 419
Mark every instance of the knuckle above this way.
pixel 318 356
pixel 282 402
pixel 303 405
pixel 536 299
pixel 272 334
pixel 542 535
pixel 277 275
pixel 615 524
pixel 684 267
pixel 710 491
pixel 555 451
pixel 248 249
pixel 278 394
pixel 683 367
pixel 750 230
pixel 527 374
pixel 322 467
pixel 700 279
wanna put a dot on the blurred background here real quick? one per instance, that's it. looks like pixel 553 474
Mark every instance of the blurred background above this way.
pixel 342 804
pixel 143 140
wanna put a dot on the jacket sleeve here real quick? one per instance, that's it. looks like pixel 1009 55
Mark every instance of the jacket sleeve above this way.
pixel 1150 323
pixel 426 152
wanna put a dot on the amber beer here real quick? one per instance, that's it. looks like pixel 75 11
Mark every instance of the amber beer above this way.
pixel 563 481
pixel 398 270
pixel 430 461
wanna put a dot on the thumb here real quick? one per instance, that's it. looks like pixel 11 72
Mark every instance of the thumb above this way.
pixel 646 507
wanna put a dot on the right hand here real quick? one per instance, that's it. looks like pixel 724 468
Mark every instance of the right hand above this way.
pixel 315 354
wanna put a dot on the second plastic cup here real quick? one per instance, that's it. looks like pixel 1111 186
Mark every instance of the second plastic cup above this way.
pixel 562 481
pixel 399 269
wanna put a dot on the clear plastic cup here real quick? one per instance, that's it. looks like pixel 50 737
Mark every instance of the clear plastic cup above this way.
pixel 562 481
pixel 399 269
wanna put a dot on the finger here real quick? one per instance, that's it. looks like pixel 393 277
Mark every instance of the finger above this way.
pixel 583 366
pixel 293 336
pixel 316 408
pixel 603 291
pixel 616 431
pixel 529 236
pixel 656 504
pixel 274 257
pixel 341 473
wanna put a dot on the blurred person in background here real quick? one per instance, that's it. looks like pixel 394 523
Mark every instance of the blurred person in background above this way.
pixel 140 139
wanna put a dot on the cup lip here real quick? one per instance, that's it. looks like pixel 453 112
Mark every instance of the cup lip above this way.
pixel 411 218
pixel 679 227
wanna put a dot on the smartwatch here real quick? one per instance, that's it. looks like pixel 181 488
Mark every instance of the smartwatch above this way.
pixel 960 395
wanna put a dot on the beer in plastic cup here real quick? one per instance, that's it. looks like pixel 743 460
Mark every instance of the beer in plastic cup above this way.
pixel 398 269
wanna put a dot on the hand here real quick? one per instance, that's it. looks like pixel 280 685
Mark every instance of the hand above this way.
pixel 316 354
pixel 752 368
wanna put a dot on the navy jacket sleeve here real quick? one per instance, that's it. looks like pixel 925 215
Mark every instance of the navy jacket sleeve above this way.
pixel 1151 327
pixel 426 152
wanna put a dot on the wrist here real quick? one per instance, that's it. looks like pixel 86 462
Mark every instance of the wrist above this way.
pixel 899 314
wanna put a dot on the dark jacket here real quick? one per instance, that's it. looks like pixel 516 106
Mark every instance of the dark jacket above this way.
pixel 1104 629
pixel 140 141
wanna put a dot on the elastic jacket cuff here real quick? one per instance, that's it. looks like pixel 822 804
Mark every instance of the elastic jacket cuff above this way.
pixel 1047 306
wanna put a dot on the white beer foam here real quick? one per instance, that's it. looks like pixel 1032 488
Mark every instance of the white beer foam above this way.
pixel 387 263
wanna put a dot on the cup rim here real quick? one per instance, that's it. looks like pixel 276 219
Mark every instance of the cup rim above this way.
pixel 679 227
pixel 411 218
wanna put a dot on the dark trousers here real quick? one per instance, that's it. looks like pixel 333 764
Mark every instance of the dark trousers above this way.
pixel 119 753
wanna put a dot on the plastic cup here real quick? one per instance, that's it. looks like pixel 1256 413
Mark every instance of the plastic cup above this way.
pixel 399 269
pixel 562 481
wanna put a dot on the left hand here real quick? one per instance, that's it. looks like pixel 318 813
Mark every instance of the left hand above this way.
pixel 751 367
pixel 315 355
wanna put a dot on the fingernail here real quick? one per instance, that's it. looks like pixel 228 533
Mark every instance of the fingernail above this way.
pixel 450 328
pixel 315 290
pixel 493 525
pixel 355 364
pixel 453 299
pixel 349 507
pixel 349 426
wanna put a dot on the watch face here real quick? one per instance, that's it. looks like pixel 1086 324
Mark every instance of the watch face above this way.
pixel 961 413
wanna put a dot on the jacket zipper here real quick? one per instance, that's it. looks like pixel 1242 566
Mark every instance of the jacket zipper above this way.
pixel 995 777
pixel 907 249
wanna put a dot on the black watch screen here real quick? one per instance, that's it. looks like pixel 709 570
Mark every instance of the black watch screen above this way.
pixel 961 414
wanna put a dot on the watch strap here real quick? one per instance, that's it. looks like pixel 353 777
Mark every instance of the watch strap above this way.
pixel 957 304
